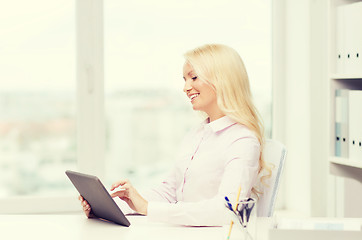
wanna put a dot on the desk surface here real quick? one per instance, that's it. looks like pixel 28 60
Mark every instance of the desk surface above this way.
pixel 71 227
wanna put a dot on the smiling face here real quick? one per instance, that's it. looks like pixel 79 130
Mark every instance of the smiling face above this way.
pixel 200 93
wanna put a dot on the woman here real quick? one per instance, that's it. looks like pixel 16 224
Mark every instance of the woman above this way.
pixel 221 155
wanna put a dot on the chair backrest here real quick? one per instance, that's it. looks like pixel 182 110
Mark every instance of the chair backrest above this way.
pixel 274 153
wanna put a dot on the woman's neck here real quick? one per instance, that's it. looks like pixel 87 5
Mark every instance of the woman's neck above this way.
pixel 216 116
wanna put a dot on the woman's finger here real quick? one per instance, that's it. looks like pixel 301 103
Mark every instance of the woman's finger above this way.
pixel 119 183
pixel 85 206
pixel 119 194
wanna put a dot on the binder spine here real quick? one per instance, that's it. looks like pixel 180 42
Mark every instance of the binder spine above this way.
pixel 342 123
pixel 355 124
pixel 338 121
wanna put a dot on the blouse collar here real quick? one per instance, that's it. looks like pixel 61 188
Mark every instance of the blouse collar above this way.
pixel 220 124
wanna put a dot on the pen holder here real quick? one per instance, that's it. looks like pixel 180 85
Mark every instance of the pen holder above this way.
pixel 244 218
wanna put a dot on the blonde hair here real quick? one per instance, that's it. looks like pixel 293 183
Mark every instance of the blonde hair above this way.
pixel 222 68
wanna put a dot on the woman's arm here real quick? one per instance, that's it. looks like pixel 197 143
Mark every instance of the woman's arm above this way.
pixel 240 169
pixel 165 192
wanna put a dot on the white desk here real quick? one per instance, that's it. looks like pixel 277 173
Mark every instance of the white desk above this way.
pixel 70 227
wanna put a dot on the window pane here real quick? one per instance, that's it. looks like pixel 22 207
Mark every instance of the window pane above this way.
pixel 37 96
pixel 146 110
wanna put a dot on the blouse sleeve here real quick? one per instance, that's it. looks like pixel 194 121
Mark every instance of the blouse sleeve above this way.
pixel 240 169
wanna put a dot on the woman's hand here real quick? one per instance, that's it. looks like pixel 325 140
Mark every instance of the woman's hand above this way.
pixel 86 207
pixel 129 194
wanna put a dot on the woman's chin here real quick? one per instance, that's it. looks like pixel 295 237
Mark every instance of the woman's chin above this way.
pixel 194 107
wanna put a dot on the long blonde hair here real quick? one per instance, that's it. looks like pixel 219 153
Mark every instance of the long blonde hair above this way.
pixel 222 68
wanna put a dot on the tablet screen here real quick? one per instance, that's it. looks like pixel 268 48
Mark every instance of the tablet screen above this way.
pixel 102 204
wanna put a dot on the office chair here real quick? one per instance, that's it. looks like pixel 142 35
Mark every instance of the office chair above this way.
pixel 274 153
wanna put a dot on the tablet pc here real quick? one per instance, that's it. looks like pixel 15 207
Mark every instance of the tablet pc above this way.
pixel 102 204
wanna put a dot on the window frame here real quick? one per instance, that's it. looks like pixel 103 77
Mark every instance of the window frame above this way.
pixel 90 113
pixel 91 110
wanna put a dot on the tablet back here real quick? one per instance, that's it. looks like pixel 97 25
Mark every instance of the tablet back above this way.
pixel 102 204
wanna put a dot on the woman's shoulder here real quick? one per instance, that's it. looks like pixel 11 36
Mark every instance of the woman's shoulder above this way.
pixel 230 132
pixel 224 129
pixel 240 131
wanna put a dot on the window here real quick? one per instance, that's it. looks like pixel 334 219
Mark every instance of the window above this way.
pixel 147 114
pixel 37 97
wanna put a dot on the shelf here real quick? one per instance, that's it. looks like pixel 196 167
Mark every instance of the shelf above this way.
pixel 346 162
pixel 346 76
pixel 345 167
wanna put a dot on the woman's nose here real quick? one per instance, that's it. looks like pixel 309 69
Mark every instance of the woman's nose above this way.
pixel 187 86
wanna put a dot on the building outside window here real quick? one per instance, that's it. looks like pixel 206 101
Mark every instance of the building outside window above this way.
pixel 146 113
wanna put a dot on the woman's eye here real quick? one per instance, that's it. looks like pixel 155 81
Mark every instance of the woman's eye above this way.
pixel 194 78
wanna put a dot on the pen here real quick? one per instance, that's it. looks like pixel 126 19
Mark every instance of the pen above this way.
pixel 236 207
pixel 229 204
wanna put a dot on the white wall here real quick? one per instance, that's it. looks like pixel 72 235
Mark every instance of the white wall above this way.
pixel 301 83
pixel 297 71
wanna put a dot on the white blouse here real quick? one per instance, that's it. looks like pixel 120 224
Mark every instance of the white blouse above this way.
pixel 213 162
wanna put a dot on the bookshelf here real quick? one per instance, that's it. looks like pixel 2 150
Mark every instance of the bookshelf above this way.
pixel 345 72
pixel 345 167
pixel 346 162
